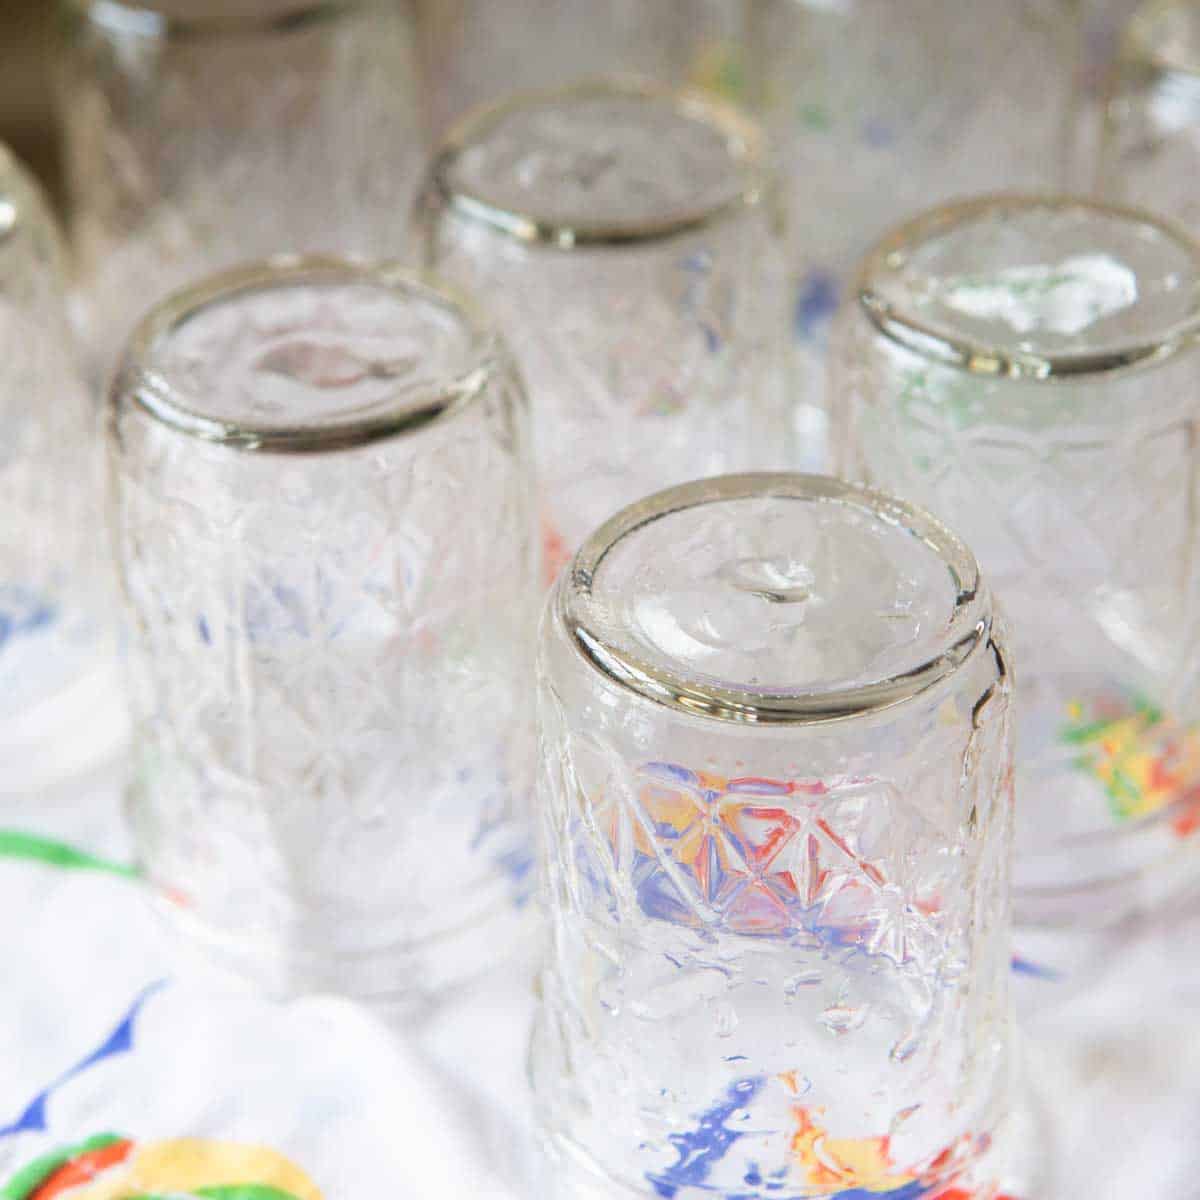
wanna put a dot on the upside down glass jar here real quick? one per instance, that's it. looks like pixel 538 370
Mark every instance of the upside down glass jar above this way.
pixel 1028 368
pixel 628 240
pixel 323 531
pixel 60 701
pixel 776 807
pixel 200 134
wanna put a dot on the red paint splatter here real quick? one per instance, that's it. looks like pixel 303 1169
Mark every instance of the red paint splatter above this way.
pixel 83 1169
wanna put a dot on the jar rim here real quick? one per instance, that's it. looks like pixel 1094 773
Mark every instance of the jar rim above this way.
pixel 575 608
pixel 162 398
pixel 742 137
pixel 936 343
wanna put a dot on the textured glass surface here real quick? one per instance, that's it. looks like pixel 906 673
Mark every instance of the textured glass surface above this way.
pixel 778 960
pixel 478 51
pixel 238 132
pixel 335 720
pixel 1150 154
pixel 1028 372
pixel 53 609
pixel 602 158
pixel 626 242
pixel 880 109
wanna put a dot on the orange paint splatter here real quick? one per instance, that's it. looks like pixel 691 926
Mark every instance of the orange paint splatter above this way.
pixel 83 1169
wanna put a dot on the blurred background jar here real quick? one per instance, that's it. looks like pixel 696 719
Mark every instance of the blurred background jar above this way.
pixel 477 51
pixel 322 527
pixel 880 109
pixel 1150 151
pixel 1028 368
pixel 56 668
pixel 197 135
pixel 628 239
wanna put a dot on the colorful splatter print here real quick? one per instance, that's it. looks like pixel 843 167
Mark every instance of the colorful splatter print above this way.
pixel 862 1164
pixel 555 552
pixel 120 1041
pixel 23 612
pixel 816 302
pixel 755 855
pixel 1034 970
pixel 18 844
pixel 862 1168
pixel 1145 761
pixel 111 1167
pixel 700 1149
pixel 817 1163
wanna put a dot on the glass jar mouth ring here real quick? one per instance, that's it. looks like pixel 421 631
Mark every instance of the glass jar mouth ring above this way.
pixel 938 344
pixel 741 135
pixel 160 397
pixel 968 632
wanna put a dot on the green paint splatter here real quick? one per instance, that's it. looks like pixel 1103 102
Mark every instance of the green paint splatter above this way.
pixel 732 78
pixel 15 843
pixel 31 1177
pixel 236 1191
pixel 815 116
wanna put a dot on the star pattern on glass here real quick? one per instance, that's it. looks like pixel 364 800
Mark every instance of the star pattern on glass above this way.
pixel 751 855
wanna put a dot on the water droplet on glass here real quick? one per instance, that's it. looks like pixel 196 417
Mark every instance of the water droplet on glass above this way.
pixel 779 580
pixel 802 979
pixel 904 1115
pixel 322 365
pixel 725 1019
pixel 844 1018
pixel 906 1047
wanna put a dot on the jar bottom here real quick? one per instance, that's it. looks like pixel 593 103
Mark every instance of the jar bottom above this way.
pixel 1003 1166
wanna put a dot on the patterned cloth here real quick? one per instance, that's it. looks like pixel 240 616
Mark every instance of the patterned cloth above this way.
pixel 133 1069
pixel 130 1063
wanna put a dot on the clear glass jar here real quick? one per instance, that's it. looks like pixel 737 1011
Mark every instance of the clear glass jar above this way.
pixel 59 700
pixel 1028 369
pixel 200 135
pixel 477 51
pixel 324 534
pixel 1150 153
pixel 880 110
pixel 775 819
pixel 627 240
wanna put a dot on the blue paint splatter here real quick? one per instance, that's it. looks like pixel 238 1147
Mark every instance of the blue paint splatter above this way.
pixel 23 611
pixel 816 302
pixel 515 861
pixel 658 895
pixel 703 1147
pixel 671 771
pixel 1023 966
pixel 119 1041
pixel 759 787
pixel 878 134
pixel 909 1191
pixel 517 864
